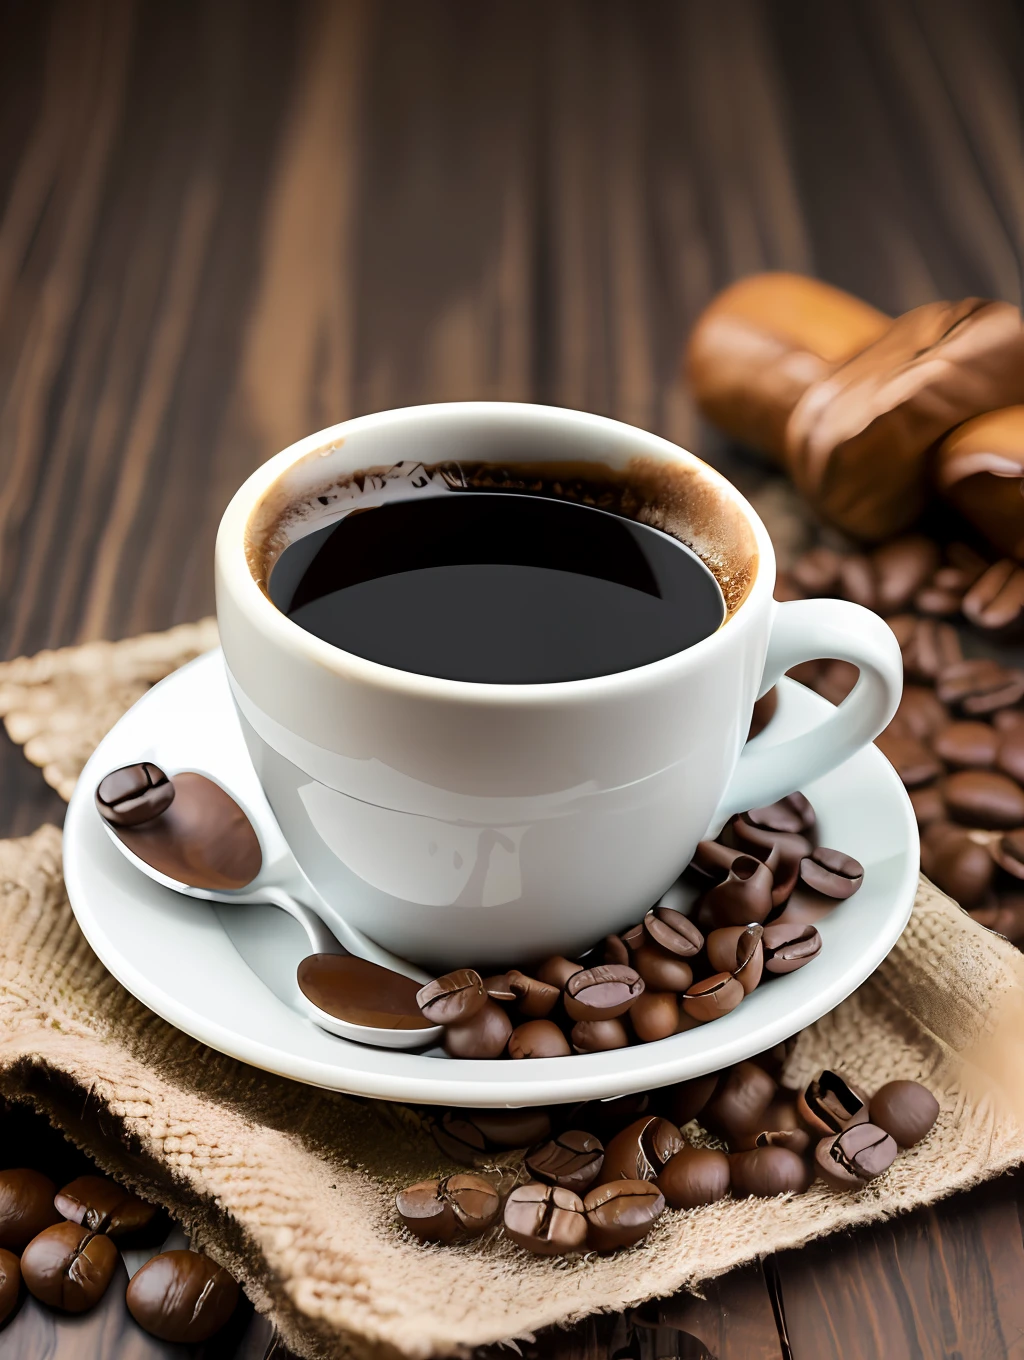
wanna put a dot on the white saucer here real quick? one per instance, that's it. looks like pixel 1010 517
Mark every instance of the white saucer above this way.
pixel 226 975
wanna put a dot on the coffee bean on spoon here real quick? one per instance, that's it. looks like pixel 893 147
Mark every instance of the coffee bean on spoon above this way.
pixel 654 1016
pixel 621 1213
pixel 26 1206
pixel 535 999
pixel 789 946
pixel 545 1219
pixel 659 970
pixel 484 1035
pixel 673 931
pixel 905 1109
pixel 538 1039
pixel 572 1160
pixel 744 896
pixel 849 1159
pixel 694 1176
pixel 984 798
pixel 453 998
pixel 832 873
pixel 641 1150
pixel 181 1296
pixel 713 997
pixel 104 1206
pixel 830 1104
pixel 452 1207
pixel 69 1267
pixel 10 1283
pixel 967 745
pixel 602 993
pixel 361 992
pixel 134 794
pixel 598 1036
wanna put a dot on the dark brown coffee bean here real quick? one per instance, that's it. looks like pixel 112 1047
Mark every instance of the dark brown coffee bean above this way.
pixel 910 758
pixel 1008 853
pixel 598 1036
pixel 763 713
pixel 768 1171
pixel 996 600
pixel 737 950
pixel 792 814
pixel 606 1118
pixel 858 581
pixel 536 999
pixel 712 860
pixel 1005 917
pixel 602 993
pixel 69 1267
pixel 830 1104
pixel 848 1160
pixel 26 1207
pixel 743 897
pixel 796 1140
pixel 615 950
pixel 984 798
pixel 685 1100
pixel 832 873
pixel 474 1200
pixel 545 1219
pixel 967 745
pixel 928 805
pixel 922 712
pixel 1010 758
pixel 103 1206
pixel 449 1208
pixel 572 1160
pixel 497 988
pixel 134 794
pixel 538 1039
pixel 931 647
pixel 713 997
pixel 902 567
pixel 673 931
pixel 904 1109
pixel 788 946
pixel 621 1213
pixel 694 1176
pixel 181 1296
pixel 556 971
pixel 483 1036
pixel 640 1151
pixel 743 1096
pixel 660 970
pixel 817 571
pixel 452 999
pixel 654 1016
pixel 468 1134
pixel 980 686
pixel 780 851
pixel 10 1284
pixel 956 863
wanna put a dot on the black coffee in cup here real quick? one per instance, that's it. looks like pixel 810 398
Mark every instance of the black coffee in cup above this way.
pixel 497 587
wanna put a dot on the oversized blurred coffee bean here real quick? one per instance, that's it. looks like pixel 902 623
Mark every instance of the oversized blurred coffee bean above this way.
pixel 792 814
pixel 830 1104
pixel 694 1176
pixel 660 970
pixel 928 805
pixel 26 1207
pixel 538 1039
pixel 572 1160
pixel 980 686
pixel 956 863
pixel 1010 757
pixel 937 602
pixel 1008 719
pixel 848 1160
pixel 556 971
pixel 967 745
pixel 932 648
pixel 673 931
pixel 910 758
pixel 996 600
pixel 452 999
pixel 713 997
pixel 483 1036
pixel 134 795
pixel 832 873
pixel 984 798
pixel 602 993
pixel 545 1219
pixel 598 1036
pixel 744 1094
pixel 906 1110
pixel 686 1099
pixel 857 580
pixel 181 1296
pixel 737 950
pixel 10 1284
pixel 69 1266
pixel 817 571
pixel 788 946
pixel 104 1206
pixel 655 1015
pixel 443 1210
pixel 536 999
pixel 744 896
pixel 466 1135
pixel 902 567
pixel 922 711
pixel 768 1171
pixel 980 470
pixel 1008 853
pixel 621 1213
pixel 763 712
pixel 640 1150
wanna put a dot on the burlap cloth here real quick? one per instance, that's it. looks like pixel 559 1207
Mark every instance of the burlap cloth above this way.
pixel 291 1188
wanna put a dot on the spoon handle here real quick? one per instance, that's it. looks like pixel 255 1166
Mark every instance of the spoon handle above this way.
pixel 352 941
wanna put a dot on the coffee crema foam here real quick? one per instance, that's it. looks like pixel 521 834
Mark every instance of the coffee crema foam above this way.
pixel 675 498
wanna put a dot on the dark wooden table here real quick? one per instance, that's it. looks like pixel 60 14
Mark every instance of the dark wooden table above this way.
pixel 227 224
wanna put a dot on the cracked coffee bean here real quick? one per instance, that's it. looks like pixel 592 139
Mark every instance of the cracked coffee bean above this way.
pixel 103 1206
pixel 694 1176
pixel 967 745
pixel 741 1101
pixel 538 1039
pixel 848 1160
pixel 738 950
pixel 497 988
pixel 673 931
pixel 713 997
pixel 744 896
pixel 26 1207
pixel 602 993
pixel 984 798
pixel 830 1104
pixel 654 1016
pixel 182 1296
pixel 483 1036
pixel 788 946
pixel 598 1036
pixel 572 1160
pixel 453 998
pixel 621 1213
pixel 134 794
pixel 10 1284
pixel 832 873
pixel 69 1266
pixel 545 1219
pixel 768 1171
pixel 780 851
pixel 906 1110
pixel 640 1151
pixel 449 1208
pixel 536 999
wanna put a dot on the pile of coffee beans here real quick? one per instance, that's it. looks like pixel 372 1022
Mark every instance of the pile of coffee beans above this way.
pixel 957 740
pixel 63 1244
pixel 598 1176
pixel 761 887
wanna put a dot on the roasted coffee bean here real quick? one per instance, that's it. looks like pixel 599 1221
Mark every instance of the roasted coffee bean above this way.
pixel 483 1036
pixel 980 686
pixel 763 712
pixel 134 794
pixel 848 1160
pixel 910 758
pixel 830 1104
pixel 967 745
pixel 817 571
pixel 673 931
pixel 788 946
pixel 10 1284
pixel 713 997
pixel 685 1100
pixel 768 1171
pixel 181 1296
pixel 744 896
pixel 602 993
pixel 712 861
pixel 1008 853
pixel 832 873
pixel 598 1036
pixel 931 648
pixel 497 988
pixel 572 1160
pixel 956 863
pixel 454 1206
pixel 928 805
pixel 655 1015
pixel 69 1267
pixel 660 970
pixel 741 1101
pixel 858 581
pixel 545 1219
pixel 904 1109
pixel 26 1207
pixel 792 814
pixel 615 950
pixel 640 1151
pixel 103 1206
pixel 538 1039
pixel 621 1213
pixel 737 950
pixel 780 851
pixel 780 1117
pixel 922 712
pixel 536 999
pixel 984 798
pixel 466 1134
pixel 902 567
pixel 694 1176
pixel 1010 758
pixel 452 999
pixel 1006 917
pixel 556 971
pixel 796 1140
pixel 996 600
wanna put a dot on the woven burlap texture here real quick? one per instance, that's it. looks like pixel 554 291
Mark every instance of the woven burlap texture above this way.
pixel 292 1188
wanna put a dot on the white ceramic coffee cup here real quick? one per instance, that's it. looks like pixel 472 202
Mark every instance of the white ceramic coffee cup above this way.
pixel 467 823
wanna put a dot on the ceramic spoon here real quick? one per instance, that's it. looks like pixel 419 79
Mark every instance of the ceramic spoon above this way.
pixel 189 834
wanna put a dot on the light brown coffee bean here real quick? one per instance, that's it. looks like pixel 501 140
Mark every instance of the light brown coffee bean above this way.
pixel 556 971
pixel 602 993
pixel 484 1035
pixel 653 1016
pixel 714 997
pixel 660 970
pixel 967 745
pixel 69 1266
pixel 831 1103
pixel 910 758
pixel 598 1036
pixel 780 851
pixel 789 945
pixel 902 567
pixel 1008 719
pixel 792 814
pixel 545 1219
pixel 938 603
pixel 984 798
pixel 996 600
pixel 744 896
pixel 538 1039
pixel 906 1110
pixel 497 988
pixel 738 950
pixel 673 931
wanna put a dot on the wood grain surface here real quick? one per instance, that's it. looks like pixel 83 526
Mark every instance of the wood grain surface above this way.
pixel 225 224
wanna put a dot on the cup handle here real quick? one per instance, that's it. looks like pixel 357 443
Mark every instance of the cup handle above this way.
pixel 806 630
